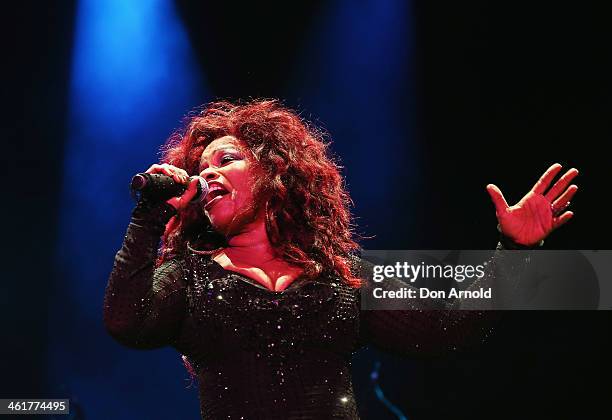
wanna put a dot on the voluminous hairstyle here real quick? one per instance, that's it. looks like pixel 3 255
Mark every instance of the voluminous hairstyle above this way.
pixel 307 207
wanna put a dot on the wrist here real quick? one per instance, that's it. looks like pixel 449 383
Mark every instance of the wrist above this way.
pixel 510 243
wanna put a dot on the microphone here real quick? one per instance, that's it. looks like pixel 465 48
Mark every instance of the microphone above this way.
pixel 160 187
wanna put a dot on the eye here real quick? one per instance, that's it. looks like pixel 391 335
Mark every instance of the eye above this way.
pixel 227 158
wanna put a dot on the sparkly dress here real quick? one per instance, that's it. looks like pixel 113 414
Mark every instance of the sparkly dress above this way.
pixel 260 354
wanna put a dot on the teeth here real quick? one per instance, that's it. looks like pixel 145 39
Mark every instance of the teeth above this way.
pixel 216 188
pixel 215 192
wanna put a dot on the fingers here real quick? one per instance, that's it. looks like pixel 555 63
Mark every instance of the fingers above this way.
pixel 562 202
pixel 179 175
pixel 191 190
pixel 185 199
pixel 498 199
pixel 561 220
pixel 561 184
pixel 175 202
pixel 546 179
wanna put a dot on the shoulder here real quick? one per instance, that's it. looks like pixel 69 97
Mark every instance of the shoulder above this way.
pixel 360 267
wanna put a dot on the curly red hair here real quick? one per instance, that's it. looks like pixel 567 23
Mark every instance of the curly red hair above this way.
pixel 308 217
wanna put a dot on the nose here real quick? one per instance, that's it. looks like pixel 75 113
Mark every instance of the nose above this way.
pixel 209 174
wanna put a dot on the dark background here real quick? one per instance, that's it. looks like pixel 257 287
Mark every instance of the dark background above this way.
pixel 492 92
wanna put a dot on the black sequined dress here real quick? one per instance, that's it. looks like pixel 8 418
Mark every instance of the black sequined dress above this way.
pixel 261 354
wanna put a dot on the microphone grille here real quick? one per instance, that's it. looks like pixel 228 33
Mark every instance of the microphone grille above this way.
pixel 203 189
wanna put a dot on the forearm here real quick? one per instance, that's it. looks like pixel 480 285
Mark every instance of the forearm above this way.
pixel 134 290
pixel 427 326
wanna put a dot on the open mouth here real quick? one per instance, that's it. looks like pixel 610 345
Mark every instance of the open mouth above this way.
pixel 215 194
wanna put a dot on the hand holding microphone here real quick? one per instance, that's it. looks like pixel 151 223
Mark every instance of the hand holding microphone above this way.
pixel 169 183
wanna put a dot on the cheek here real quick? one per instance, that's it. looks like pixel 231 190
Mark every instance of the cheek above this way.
pixel 244 189
pixel 239 201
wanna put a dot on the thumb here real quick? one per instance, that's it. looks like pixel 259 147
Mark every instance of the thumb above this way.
pixel 181 202
pixel 191 190
pixel 498 199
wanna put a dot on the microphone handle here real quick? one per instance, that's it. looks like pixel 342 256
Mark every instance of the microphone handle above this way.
pixel 160 187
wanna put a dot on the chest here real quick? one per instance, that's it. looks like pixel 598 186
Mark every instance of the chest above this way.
pixel 275 275
pixel 235 313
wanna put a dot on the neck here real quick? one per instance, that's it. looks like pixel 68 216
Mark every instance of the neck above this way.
pixel 251 244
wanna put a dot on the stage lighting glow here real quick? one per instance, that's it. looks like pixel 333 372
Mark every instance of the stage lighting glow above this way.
pixel 133 76
pixel 355 74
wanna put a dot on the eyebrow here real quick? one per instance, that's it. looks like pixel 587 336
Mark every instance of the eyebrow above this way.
pixel 220 148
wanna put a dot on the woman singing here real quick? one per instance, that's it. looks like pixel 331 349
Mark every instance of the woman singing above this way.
pixel 258 285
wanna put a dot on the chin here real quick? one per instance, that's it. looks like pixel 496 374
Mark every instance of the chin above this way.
pixel 230 222
pixel 225 222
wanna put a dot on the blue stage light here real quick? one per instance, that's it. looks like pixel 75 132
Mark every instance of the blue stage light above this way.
pixel 355 73
pixel 133 77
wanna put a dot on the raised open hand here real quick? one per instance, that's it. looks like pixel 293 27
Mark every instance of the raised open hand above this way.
pixel 538 213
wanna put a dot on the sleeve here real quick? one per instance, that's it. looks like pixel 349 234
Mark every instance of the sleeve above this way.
pixel 144 305
pixel 434 327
